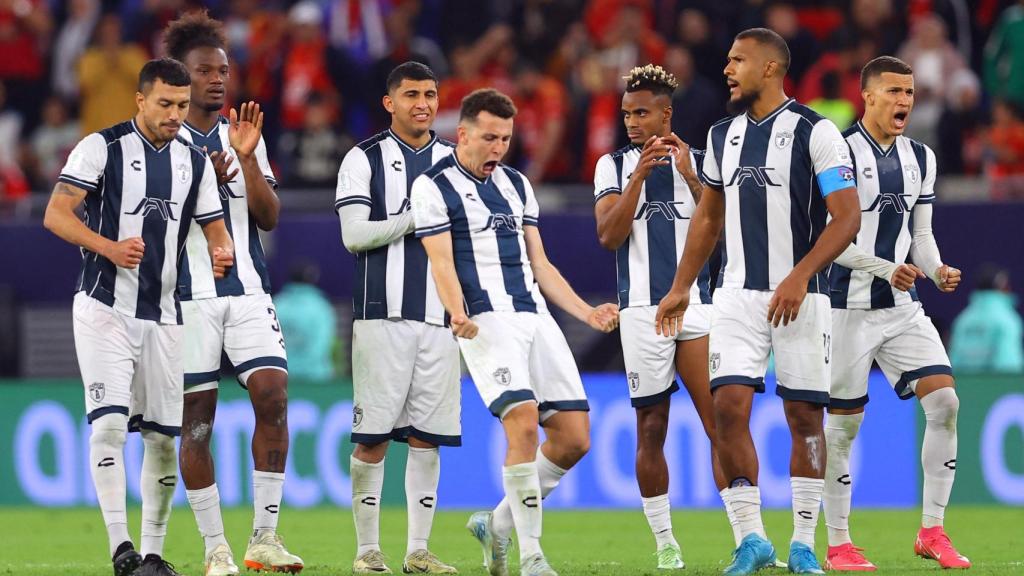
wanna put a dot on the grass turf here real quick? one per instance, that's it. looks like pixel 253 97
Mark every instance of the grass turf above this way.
pixel 73 541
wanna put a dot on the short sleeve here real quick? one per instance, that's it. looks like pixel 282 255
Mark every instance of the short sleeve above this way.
pixel 429 211
pixel 606 179
pixel 353 180
pixel 711 171
pixel 208 206
pixel 531 210
pixel 86 163
pixel 697 161
pixel 264 163
pixel 928 182
pixel 831 158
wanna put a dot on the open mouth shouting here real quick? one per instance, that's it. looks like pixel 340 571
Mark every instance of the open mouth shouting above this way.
pixel 489 166
pixel 899 119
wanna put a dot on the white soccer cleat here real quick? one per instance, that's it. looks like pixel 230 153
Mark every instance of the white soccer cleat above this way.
pixel 267 553
pixel 495 547
pixel 220 562
pixel 536 565
pixel 670 557
pixel 371 562
pixel 424 562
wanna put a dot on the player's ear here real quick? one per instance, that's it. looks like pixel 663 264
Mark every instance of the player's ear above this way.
pixel 389 104
pixel 668 115
pixel 139 99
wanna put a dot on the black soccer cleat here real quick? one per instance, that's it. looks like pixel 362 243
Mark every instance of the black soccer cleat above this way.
pixel 126 560
pixel 154 565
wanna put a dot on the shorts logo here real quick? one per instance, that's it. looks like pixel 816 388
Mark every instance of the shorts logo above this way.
pixel 357 416
pixel 716 362
pixel 783 139
pixel 634 381
pixel 502 376
pixel 97 391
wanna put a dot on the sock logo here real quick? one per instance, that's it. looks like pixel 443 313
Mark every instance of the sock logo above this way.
pixel 369 501
pixel 530 501
pixel 168 481
pixel 805 514
pixel 740 482
pixel 427 501
pixel 106 462
pixel 844 480
pixel 272 508
pixel 951 464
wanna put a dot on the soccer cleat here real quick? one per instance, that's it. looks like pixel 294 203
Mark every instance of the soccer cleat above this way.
pixel 267 553
pixel 847 558
pixel 536 565
pixel 423 562
pixel 219 562
pixel 154 565
pixel 753 554
pixel 670 557
pixel 495 547
pixel 802 559
pixel 933 543
pixel 371 562
pixel 127 561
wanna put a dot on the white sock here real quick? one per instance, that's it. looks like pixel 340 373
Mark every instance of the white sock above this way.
pixel 159 478
pixel 746 505
pixel 367 482
pixel 522 490
pixel 266 489
pixel 205 504
pixel 806 504
pixel 938 453
pixel 106 460
pixel 659 517
pixel 733 523
pixel 550 475
pixel 422 471
pixel 840 430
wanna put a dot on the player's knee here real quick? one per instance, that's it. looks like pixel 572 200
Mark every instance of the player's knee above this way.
pixel 271 406
pixel 941 407
pixel 160 446
pixel 576 447
pixel 110 431
pixel 523 438
pixel 651 431
pixel 805 423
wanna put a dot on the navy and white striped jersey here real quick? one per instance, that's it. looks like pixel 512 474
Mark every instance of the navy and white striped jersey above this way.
pixel 890 184
pixel 249 274
pixel 647 261
pixel 775 174
pixel 391 281
pixel 486 220
pixel 134 189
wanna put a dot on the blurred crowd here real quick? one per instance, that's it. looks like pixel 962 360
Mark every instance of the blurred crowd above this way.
pixel 318 69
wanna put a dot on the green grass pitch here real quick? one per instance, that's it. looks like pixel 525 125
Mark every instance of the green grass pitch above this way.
pixel 73 542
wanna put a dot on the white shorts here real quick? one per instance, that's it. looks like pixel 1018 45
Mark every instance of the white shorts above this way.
pixel 651 359
pixel 742 338
pixel 244 327
pixel 405 376
pixel 129 366
pixel 522 356
pixel 902 340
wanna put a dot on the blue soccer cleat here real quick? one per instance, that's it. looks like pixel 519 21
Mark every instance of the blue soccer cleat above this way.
pixel 802 559
pixel 753 554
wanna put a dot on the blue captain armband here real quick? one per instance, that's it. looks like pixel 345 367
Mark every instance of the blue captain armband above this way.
pixel 836 178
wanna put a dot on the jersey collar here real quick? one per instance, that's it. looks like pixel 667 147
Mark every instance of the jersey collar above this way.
pixel 874 143
pixel 469 174
pixel 146 141
pixel 216 126
pixel 433 138
pixel 773 113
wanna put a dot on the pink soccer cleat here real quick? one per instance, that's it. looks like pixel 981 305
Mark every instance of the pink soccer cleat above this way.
pixel 847 558
pixel 934 543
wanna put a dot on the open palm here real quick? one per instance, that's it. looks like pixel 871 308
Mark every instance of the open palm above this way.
pixel 245 128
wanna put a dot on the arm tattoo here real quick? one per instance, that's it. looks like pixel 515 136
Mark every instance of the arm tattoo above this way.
pixel 66 189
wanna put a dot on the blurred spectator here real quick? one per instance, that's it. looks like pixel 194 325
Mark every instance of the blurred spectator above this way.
pixel 308 323
pixel 71 42
pixel 940 77
pixel 467 65
pixel 540 123
pixel 846 59
pixel 695 33
pixel 540 27
pixel 1005 150
pixel 238 27
pixel 876 21
pixel 1004 56
pixel 305 69
pixel 144 22
pixel 803 46
pixel 51 143
pixel 311 155
pixel 831 103
pixel 630 39
pixel 357 27
pixel 597 112
pixel 987 335
pixel 109 75
pixel 25 27
pixel 13 185
pixel 696 105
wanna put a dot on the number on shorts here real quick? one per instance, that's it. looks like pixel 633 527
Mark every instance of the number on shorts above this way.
pixel 827 339
pixel 275 325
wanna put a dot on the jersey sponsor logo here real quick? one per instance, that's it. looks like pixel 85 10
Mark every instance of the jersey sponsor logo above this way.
pixel 501 222
pixel 226 193
pixel 404 207
pixel 783 138
pixel 666 210
pixel 913 173
pixel 162 207
pixel 760 174
pixel 889 201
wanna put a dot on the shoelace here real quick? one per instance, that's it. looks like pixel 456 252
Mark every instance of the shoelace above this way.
pixel 747 546
pixel 375 556
pixel 165 564
pixel 666 553
pixel 804 556
pixel 222 557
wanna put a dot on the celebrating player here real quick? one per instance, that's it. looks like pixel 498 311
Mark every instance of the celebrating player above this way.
pixel 774 172
pixel 478 222
pixel 140 184
pixel 876 315
pixel 234 313
pixel 645 195
pixel 405 363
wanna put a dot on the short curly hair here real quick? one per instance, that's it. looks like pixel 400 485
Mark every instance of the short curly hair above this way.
pixel 193 30
pixel 652 78
pixel 486 100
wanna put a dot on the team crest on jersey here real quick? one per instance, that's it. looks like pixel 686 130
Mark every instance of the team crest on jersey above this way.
pixel 97 391
pixel 715 362
pixel 634 381
pixel 783 138
pixel 912 172
pixel 184 172
pixel 357 416
pixel 503 376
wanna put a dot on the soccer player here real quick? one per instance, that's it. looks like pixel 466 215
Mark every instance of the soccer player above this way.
pixel 142 186
pixel 876 316
pixel 478 222
pixel 234 313
pixel 774 173
pixel 643 208
pixel 405 363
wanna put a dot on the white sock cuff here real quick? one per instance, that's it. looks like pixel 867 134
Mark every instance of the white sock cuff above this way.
pixel 519 470
pixel 354 462
pixel 415 450
pixel 548 466
pixel 259 476
pixel 745 495
pixel 655 501
pixel 848 424
pixel 799 483
pixel 203 495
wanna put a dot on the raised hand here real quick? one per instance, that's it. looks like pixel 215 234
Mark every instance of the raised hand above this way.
pixel 681 151
pixel 245 128
pixel 127 253
pixel 904 276
pixel 654 153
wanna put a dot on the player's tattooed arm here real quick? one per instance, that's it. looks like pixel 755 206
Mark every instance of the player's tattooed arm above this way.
pixel 684 166
pixel 61 219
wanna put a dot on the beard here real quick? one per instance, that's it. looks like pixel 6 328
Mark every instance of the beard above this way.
pixel 210 106
pixel 742 104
